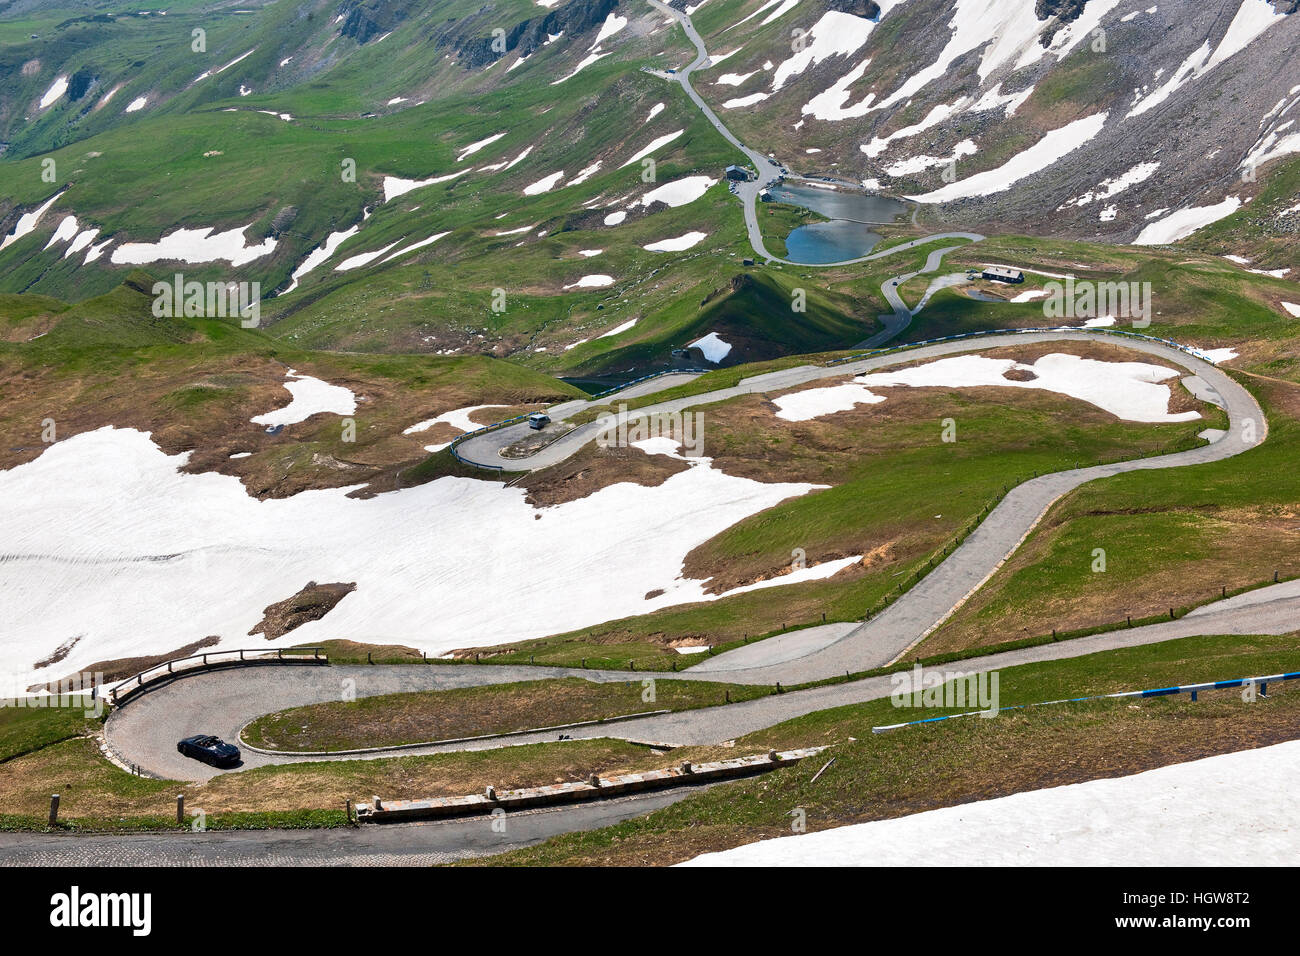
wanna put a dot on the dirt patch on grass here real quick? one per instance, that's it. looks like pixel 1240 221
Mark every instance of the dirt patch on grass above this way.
pixel 202 403
pixel 28 328
pixel 594 468
pixel 354 652
pixel 312 603
pixel 59 653
pixel 439 434
pixel 499 413
pixel 121 667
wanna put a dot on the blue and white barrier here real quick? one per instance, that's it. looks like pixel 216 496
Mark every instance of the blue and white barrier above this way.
pixel 1193 689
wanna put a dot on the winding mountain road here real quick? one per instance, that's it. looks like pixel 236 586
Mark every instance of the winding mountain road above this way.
pixel 769 170
pixel 145 731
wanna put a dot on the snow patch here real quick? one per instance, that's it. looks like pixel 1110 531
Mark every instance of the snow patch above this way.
pixel 816 402
pixel 57 89
pixel 311 396
pixel 679 192
pixel 395 186
pixel 1184 222
pixel 110 518
pixel 1253 17
pixel 1113 187
pixel 678 244
pixel 1187 814
pixel 714 349
pixel 654 145
pixel 590 59
pixel 458 418
pixel 320 254
pixel 416 245
pixel 66 229
pixel 1054 144
pixel 616 331
pixel 544 185
pixel 591 282
pixel 613 24
pixel 1128 390
pixel 194 246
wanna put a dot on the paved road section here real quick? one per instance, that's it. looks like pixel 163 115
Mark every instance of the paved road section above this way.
pixel 145 732
pixel 901 316
pixel 391 844
pixel 768 170
pixel 929 603
pixel 223 701
pixel 775 650
pixel 934 599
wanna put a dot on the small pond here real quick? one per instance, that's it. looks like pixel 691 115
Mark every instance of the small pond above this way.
pixel 847 235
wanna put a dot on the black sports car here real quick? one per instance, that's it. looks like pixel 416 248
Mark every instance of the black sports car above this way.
pixel 209 749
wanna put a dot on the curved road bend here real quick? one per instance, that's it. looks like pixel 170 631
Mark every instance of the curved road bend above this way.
pixel 901 316
pixel 485 450
pixel 884 638
pixel 930 602
pixel 223 701
pixel 769 170
pixel 145 731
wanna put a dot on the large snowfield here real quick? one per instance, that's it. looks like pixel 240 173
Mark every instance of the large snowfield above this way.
pixel 1230 810
pixel 109 544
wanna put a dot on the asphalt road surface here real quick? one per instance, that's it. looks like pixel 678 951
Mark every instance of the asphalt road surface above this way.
pixel 389 844
pixel 146 730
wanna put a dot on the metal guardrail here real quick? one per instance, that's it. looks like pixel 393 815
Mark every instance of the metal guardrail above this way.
pixel 1193 689
pixel 200 662
pixel 595 787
